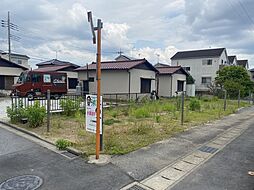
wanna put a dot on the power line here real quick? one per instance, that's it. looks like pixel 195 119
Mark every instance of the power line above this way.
pixel 246 12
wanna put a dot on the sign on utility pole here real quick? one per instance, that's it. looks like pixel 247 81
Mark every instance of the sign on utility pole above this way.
pixel 91 107
pixel 98 76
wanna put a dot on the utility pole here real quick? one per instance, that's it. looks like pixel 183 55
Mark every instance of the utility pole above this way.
pixel 9 35
pixel 98 77
pixel 10 26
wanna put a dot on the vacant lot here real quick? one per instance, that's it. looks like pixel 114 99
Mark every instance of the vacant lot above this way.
pixel 137 125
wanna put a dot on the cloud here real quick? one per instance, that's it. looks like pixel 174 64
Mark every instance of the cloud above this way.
pixel 139 28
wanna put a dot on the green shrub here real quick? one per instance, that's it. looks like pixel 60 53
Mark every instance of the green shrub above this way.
pixel 62 144
pixel 70 106
pixel 194 105
pixel 158 118
pixel 141 113
pixel 36 114
pixel 16 113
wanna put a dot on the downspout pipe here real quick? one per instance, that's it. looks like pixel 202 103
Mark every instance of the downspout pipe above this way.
pixel 129 84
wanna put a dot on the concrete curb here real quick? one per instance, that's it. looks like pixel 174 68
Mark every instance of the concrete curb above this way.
pixel 69 149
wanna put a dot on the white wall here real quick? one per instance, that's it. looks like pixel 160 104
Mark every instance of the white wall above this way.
pixel 117 81
pixel 136 75
pixel 164 88
pixel 112 81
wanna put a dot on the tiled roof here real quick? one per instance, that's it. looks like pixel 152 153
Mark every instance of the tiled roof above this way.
pixel 198 53
pixel 56 62
pixel 116 65
pixel 52 68
pixel 243 63
pixel 170 70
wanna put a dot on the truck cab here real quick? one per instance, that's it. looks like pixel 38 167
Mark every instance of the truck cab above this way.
pixel 34 84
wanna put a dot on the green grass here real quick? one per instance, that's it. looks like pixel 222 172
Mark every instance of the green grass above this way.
pixel 132 127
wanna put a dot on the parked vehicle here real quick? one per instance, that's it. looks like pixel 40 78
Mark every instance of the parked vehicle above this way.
pixel 35 83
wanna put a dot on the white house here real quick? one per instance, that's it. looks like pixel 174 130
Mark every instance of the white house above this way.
pixel 120 77
pixel 171 80
pixel 243 63
pixel 232 60
pixel 64 67
pixel 16 58
pixel 201 64
pixel 9 73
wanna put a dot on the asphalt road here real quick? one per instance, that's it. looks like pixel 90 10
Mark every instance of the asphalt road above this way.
pixel 226 170
pixel 19 156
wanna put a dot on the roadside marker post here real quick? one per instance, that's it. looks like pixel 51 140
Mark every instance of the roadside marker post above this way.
pixel 98 76
pixel 182 110
pixel 48 109
pixel 239 96
pixel 225 100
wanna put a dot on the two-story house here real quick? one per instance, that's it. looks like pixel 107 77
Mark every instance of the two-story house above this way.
pixel 16 58
pixel 202 65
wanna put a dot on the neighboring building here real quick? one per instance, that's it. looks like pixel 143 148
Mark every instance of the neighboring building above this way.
pixel 124 58
pixel 232 60
pixel 16 58
pixel 9 74
pixel 157 65
pixel 251 72
pixel 171 80
pixel 243 63
pixel 131 76
pixel 64 67
pixel 202 65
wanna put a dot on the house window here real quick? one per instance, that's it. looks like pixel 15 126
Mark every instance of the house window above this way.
pixel 186 68
pixel 207 62
pixel 206 80
pixel 180 85
pixel 145 86
pixel 222 61
pixel 73 82
pixel 19 62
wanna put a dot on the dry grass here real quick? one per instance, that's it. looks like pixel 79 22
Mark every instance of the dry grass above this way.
pixel 129 128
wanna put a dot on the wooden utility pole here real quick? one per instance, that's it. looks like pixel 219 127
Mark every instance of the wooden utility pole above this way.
pixel 98 77
pixel 99 26
pixel 9 35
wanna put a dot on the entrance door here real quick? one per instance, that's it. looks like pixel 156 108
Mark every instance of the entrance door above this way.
pixel 86 87
pixel 180 85
pixel 145 85
pixel 2 82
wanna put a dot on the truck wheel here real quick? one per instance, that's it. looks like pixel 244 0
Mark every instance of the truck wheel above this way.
pixel 30 96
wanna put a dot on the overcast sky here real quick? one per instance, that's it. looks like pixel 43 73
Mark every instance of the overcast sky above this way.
pixel 154 29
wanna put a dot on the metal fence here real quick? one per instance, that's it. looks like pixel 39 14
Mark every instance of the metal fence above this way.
pixel 55 104
pixel 112 99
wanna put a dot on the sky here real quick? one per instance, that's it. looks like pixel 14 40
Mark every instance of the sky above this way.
pixel 151 29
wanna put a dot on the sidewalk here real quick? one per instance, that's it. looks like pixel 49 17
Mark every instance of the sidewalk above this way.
pixel 142 163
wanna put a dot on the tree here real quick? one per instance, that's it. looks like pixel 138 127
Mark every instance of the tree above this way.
pixel 233 79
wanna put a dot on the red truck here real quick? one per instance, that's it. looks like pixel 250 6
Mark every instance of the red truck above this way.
pixel 35 83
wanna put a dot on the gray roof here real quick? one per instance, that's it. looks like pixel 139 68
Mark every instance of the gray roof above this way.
pixel 124 58
pixel 157 65
pixel 243 63
pixel 14 54
pixel 198 53
pixel 56 62
pixel 231 58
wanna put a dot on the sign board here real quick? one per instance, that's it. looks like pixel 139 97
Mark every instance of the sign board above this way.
pixel 91 103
